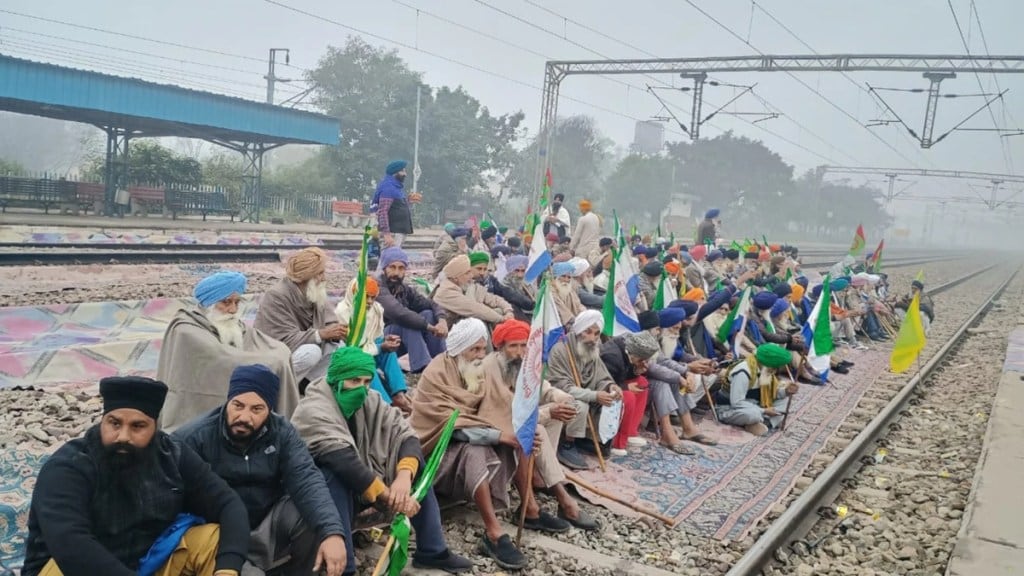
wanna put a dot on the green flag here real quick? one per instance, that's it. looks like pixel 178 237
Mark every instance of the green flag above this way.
pixel 726 329
pixel 608 309
pixel 789 276
pixel 357 325
pixel 659 297
pixel 823 328
pixel 400 527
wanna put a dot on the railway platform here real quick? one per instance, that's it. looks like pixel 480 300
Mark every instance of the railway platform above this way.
pixel 991 539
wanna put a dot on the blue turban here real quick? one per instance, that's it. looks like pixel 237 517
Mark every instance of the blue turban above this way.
pixel 671 316
pixel 783 289
pixel 802 280
pixel 517 261
pixel 652 252
pixel 219 286
pixel 781 306
pixel 713 213
pixel 255 378
pixel 714 255
pixel 764 300
pixel 690 306
pixel 395 166
pixel 716 301
pixel 389 256
pixel 685 257
pixel 816 292
pixel 459 232
pixel 639 250
pixel 562 269
pixel 839 284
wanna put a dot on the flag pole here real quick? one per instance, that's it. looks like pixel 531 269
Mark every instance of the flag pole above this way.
pixel 707 394
pixel 525 497
pixel 590 418
pixel 789 402
pixel 382 562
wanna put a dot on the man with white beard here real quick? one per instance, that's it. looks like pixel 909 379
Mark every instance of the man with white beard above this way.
pixel 575 367
pixel 480 462
pixel 567 301
pixel 203 345
pixel 295 311
pixel 515 283
pixel 583 277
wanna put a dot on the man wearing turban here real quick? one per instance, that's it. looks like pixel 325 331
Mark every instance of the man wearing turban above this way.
pixel 202 345
pixel 518 293
pixel 453 243
pixel 481 460
pixel 394 216
pixel 575 367
pixel 751 395
pixel 587 234
pixel 556 218
pixel 707 230
pixel 369 455
pixel 294 524
pixel 459 296
pixel 128 499
pixel 501 369
pixel 650 278
pixel 420 323
pixel 295 311
pixel 583 282
pixel 564 292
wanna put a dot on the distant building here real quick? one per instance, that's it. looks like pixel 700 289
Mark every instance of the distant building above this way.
pixel 648 137
pixel 677 218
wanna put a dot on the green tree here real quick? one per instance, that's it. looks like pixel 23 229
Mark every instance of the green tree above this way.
pixel 11 168
pixel 151 163
pixel 832 210
pixel 638 176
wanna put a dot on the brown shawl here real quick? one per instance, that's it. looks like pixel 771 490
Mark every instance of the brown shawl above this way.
pixel 197 367
pixel 593 374
pixel 285 314
pixel 377 431
pixel 440 391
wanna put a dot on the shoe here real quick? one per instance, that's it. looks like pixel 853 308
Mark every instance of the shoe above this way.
pixel 545 523
pixel 846 363
pixel 619 452
pixel 583 521
pixel 447 561
pixel 757 429
pixel 571 458
pixel 813 380
pixel 586 445
pixel 636 441
pixel 841 369
pixel 504 552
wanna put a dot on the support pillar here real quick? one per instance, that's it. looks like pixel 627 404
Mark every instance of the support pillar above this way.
pixel 252 181
pixel 115 175
pixel 936 79
pixel 698 101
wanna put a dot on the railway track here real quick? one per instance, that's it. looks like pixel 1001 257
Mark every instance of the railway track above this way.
pixel 812 507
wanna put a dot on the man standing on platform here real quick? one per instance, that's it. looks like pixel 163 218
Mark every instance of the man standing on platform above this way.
pixel 394 216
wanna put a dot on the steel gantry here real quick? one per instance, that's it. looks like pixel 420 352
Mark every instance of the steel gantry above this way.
pixel 935 68
pixel 993 179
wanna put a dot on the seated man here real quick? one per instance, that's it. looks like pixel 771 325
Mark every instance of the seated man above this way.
pixel 515 283
pixel 480 462
pixel 627 359
pixel 583 279
pixel 295 311
pixel 294 526
pixel 575 367
pixel 454 243
pixel 751 396
pixel 458 295
pixel 202 345
pixel 563 291
pixel 501 368
pixel 648 280
pixel 103 502
pixel 389 380
pixel 369 456
pixel 419 322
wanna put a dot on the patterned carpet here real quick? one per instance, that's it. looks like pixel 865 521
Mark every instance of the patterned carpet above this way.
pixel 724 490
pixel 17 478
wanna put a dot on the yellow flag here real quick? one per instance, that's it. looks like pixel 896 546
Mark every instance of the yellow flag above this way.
pixel 910 341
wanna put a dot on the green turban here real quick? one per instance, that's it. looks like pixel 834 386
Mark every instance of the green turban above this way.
pixel 350 362
pixel 477 258
pixel 773 356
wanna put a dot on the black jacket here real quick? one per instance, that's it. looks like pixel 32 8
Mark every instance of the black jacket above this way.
pixel 90 529
pixel 274 464
pixel 521 302
pixel 613 354
pixel 403 306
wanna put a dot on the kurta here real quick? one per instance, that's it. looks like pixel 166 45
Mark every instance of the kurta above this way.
pixel 586 236
pixel 197 368
pixel 569 305
pixel 286 315
pixel 594 378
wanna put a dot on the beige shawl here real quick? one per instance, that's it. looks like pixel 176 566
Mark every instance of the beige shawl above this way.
pixel 377 430
pixel 549 395
pixel 197 367
pixel 440 392
pixel 286 315
pixel 594 376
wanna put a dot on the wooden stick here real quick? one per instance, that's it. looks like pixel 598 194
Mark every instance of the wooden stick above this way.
pixel 382 562
pixel 525 497
pixel 641 509
pixel 707 393
pixel 590 418
pixel 789 404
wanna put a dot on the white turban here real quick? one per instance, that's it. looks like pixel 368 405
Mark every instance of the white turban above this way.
pixel 579 266
pixel 585 320
pixel 465 334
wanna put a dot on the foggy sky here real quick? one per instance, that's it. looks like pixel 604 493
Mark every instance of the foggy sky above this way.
pixel 661 28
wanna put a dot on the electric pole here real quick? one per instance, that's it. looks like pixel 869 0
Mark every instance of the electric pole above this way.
pixel 416 147
pixel 271 77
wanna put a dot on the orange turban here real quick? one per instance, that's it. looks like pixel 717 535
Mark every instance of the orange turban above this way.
pixel 694 294
pixel 372 288
pixel 764 256
pixel 797 294
pixel 527 239
pixel 510 331
pixel 306 264
pixel 672 267
pixel 585 206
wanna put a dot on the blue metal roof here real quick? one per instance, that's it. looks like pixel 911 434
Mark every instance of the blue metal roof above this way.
pixel 152 109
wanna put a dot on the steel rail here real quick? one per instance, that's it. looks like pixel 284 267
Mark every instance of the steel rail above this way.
pixel 783 530
pixel 132 257
pixel 326 244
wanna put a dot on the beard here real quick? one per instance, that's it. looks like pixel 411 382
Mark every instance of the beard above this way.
pixel 118 469
pixel 588 284
pixel 394 282
pixel 472 372
pixel 316 293
pixel 400 177
pixel 241 432
pixel 228 326
pixel 563 289
pixel 669 341
pixel 765 377
pixel 588 351
pixel 510 369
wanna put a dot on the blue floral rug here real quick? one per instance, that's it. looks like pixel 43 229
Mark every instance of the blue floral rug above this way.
pixel 18 470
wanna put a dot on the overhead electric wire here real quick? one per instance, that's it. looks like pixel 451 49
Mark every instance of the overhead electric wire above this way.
pixel 802 83
pixel 995 77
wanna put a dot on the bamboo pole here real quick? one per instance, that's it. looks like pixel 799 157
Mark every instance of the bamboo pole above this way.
pixel 525 497
pixel 590 418
pixel 382 562
pixel 641 509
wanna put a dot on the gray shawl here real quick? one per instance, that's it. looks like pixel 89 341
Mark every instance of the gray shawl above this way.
pixel 378 429
pixel 197 367
pixel 285 314
pixel 594 377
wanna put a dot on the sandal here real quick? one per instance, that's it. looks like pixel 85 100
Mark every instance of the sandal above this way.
pixel 702 439
pixel 680 448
